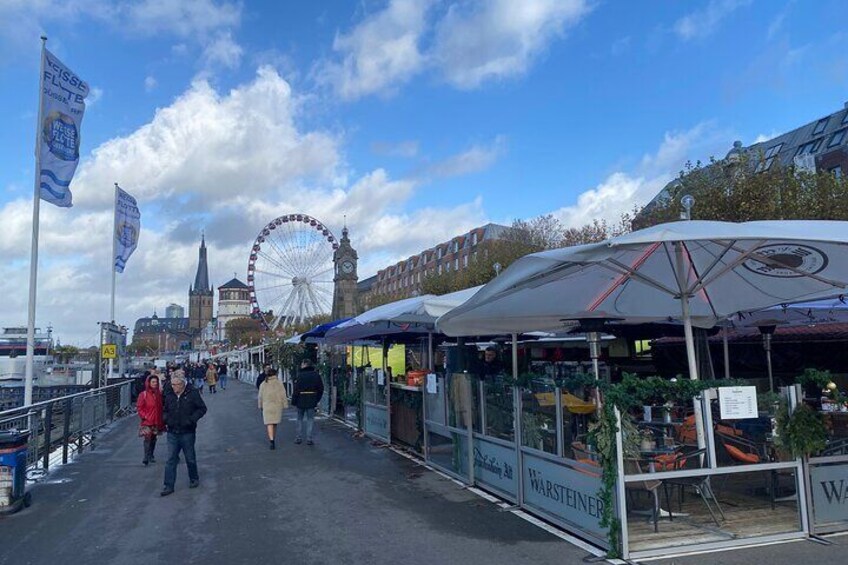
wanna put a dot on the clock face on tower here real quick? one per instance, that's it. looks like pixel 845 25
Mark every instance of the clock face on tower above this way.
pixel 347 267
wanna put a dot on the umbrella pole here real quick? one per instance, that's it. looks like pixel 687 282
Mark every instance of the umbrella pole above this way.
pixel 430 351
pixel 690 340
pixel 726 353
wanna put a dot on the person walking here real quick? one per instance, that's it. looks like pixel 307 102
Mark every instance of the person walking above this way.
pixel 212 378
pixel 149 406
pixel 308 390
pixel 198 374
pixel 183 408
pixel 272 402
pixel 222 374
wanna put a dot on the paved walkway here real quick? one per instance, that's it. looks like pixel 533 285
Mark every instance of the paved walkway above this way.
pixel 343 501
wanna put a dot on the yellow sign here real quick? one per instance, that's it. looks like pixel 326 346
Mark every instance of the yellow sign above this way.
pixel 109 352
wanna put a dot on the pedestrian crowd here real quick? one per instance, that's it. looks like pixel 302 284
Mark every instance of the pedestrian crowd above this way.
pixel 169 400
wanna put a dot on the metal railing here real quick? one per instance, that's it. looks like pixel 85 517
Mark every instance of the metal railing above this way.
pixel 67 423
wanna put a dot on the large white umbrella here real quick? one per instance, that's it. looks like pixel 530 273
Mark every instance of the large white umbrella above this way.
pixel 411 315
pixel 699 272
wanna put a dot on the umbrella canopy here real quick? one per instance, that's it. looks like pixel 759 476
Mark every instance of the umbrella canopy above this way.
pixel 411 315
pixel 320 330
pixel 699 272
pixel 833 311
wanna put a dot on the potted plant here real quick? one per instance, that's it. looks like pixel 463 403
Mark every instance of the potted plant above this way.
pixel 813 381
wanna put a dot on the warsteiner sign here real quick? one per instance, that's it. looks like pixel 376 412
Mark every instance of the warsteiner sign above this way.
pixel 830 493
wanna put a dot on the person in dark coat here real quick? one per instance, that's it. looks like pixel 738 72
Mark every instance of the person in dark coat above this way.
pixel 308 390
pixel 262 375
pixel 183 408
pixel 222 374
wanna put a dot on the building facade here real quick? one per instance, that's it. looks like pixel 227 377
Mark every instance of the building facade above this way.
pixel 162 334
pixel 233 303
pixel 403 279
pixel 820 145
pixel 200 295
pixel 345 289
pixel 174 311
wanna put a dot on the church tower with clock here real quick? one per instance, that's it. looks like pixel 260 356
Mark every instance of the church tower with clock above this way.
pixel 345 292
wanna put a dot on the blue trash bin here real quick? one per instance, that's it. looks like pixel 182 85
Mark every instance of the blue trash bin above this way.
pixel 13 465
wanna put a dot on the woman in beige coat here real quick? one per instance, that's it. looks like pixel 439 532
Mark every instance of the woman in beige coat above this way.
pixel 212 378
pixel 272 402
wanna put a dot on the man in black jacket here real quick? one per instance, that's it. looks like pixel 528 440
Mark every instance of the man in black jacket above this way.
pixel 308 390
pixel 182 408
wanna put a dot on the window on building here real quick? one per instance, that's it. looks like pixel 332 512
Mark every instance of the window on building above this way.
pixel 837 171
pixel 465 261
pixel 822 123
pixel 837 138
pixel 474 238
pixel 439 253
pixel 440 269
pixel 845 118
pixel 772 151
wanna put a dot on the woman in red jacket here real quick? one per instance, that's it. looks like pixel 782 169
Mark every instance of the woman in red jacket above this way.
pixel 149 406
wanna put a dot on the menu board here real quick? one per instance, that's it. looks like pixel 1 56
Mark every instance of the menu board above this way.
pixel 737 402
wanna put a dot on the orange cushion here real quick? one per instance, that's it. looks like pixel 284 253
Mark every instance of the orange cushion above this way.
pixel 728 430
pixel 670 462
pixel 740 455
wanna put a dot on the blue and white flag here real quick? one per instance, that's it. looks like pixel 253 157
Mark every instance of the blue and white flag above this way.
pixel 127 227
pixel 62 107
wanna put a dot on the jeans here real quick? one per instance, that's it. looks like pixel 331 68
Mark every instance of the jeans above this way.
pixel 310 422
pixel 176 443
pixel 222 380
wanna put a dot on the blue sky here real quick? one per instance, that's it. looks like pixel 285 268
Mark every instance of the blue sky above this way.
pixel 418 120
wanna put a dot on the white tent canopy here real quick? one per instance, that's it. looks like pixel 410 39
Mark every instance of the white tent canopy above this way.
pixel 411 315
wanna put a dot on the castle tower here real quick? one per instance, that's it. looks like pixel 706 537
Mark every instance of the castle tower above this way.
pixel 200 296
pixel 345 292
pixel 233 303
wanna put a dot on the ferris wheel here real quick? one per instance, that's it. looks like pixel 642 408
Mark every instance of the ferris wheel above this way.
pixel 290 271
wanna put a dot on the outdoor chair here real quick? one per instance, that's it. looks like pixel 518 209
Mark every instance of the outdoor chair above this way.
pixel 836 447
pixel 634 467
pixel 743 451
pixel 682 460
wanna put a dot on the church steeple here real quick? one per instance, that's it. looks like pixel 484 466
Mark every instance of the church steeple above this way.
pixel 201 279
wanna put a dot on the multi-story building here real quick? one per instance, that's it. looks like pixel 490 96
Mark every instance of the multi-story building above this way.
pixel 820 145
pixel 233 303
pixel 404 278
pixel 174 311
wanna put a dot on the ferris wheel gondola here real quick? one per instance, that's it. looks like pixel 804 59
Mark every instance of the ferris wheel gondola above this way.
pixel 290 271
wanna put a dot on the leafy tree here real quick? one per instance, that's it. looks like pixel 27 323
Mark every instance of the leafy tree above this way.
pixel 732 191
pixel 244 331
pixel 65 353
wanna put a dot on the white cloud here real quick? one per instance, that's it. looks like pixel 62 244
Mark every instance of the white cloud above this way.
pixel 223 51
pixel 216 145
pixel 150 83
pixel 497 39
pixel 186 18
pixel 379 54
pixel 702 23
pixel 475 159
pixel 406 149
pixel 227 162
pixel 766 136
pixel 621 191
pixel 94 96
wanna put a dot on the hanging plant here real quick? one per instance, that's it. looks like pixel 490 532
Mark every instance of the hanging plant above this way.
pixel 813 381
pixel 801 433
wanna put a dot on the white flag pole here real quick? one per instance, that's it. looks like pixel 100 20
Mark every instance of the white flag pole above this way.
pixel 114 271
pixel 114 250
pixel 33 262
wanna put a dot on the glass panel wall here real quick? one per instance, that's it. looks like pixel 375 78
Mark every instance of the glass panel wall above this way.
pixel 538 416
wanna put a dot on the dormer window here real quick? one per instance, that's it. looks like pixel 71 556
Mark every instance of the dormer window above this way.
pixel 820 125
pixel 768 158
pixel 837 138
pixel 474 238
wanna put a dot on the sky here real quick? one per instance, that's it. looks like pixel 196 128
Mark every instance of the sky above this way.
pixel 416 120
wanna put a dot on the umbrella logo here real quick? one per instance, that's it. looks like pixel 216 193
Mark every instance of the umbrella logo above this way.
pixel 786 260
